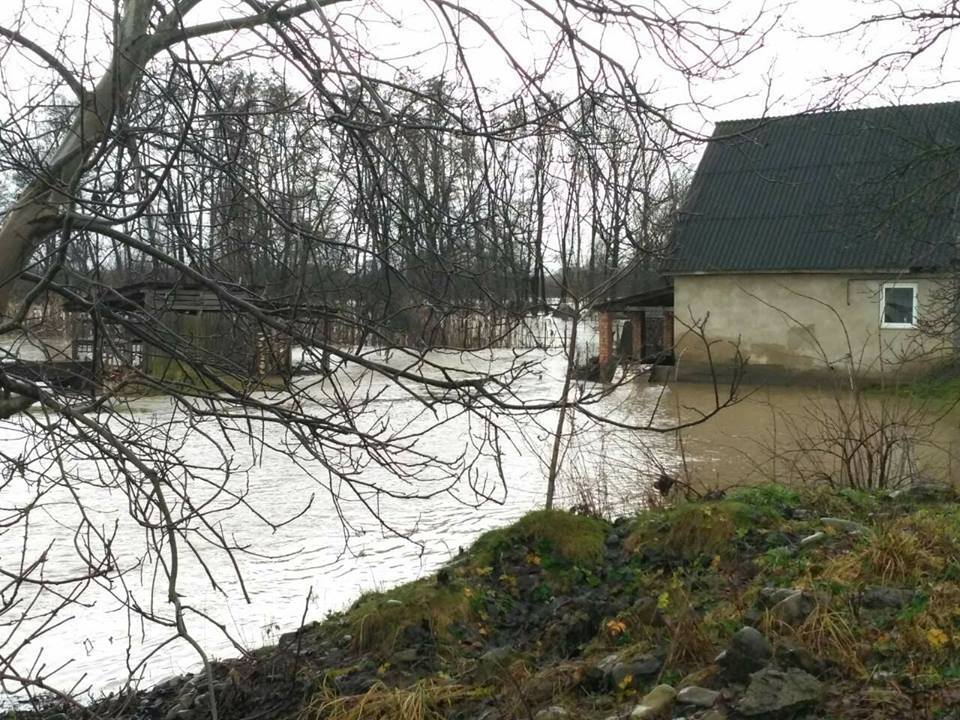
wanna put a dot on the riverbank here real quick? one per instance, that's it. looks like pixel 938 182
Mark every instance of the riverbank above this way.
pixel 765 603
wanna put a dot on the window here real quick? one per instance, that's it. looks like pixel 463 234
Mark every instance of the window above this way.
pixel 899 308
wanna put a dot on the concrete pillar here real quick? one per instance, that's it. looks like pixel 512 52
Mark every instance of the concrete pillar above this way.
pixel 668 330
pixel 605 330
pixel 639 322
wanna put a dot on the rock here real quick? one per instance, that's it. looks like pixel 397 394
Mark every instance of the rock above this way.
pixel 747 652
pixel 847 526
pixel 770 596
pixel 405 656
pixel 795 608
pixel 775 540
pixel 612 540
pixel 789 654
pixel 645 611
pixel 621 671
pixel 815 539
pixel 630 671
pixel 713 714
pixel 493 663
pixel 171 683
pixel 775 692
pixel 699 696
pixel 187 699
pixel 175 713
pixel 925 491
pixel 554 712
pixel 568 632
pixel 879 597
pixel 655 704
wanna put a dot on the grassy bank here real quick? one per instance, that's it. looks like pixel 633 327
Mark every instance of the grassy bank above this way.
pixel 852 603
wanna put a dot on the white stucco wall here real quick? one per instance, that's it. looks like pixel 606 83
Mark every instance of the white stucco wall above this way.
pixel 804 322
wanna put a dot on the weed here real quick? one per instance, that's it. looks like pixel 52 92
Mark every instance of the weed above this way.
pixel 574 539
pixel 379 619
pixel 776 498
pixel 425 700
pixel 692 530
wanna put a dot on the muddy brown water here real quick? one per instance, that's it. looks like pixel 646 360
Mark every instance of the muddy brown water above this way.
pixel 330 553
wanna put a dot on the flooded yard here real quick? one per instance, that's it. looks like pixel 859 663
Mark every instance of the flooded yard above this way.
pixel 326 547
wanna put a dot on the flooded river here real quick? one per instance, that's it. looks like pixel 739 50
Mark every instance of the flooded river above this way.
pixel 334 549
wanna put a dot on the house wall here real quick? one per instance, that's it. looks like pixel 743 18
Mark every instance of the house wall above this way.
pixel 803 323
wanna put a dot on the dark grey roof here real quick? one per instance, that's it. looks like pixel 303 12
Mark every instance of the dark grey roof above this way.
pixel 872 189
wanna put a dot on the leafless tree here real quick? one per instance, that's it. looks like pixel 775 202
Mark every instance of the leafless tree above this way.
pixel 346 182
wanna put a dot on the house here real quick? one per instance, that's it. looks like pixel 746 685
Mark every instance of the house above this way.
pixel 178 329
pixel 821 244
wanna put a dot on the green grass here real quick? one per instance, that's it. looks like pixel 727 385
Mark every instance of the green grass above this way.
pixel 574 539
pixel 377 620
pixel 702 529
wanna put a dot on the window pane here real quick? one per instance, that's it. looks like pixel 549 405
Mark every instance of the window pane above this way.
pixel 898 305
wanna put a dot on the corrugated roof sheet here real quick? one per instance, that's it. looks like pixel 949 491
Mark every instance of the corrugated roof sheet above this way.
pixel 872 189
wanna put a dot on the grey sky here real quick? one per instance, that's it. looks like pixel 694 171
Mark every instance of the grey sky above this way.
pixel 786 75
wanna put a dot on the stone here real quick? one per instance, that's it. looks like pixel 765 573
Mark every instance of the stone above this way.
pixel 815 539
pixel 628 671
pixel 187 699
pixel 405 656
pixel 699 696
pixel 926 491
pixel 612 540
pixel 795 608
pixel 498 656
pixel 790 654
pixel 171 683
pixel 770 596
pixel 847 526
pixel 775 540
pixel 645 611
pixel 747 652
pixel 713 714
pixel 568 632
pixel 655 704
pixel 554 712
pixel 622 671
pixel 775 692
pixel 879 597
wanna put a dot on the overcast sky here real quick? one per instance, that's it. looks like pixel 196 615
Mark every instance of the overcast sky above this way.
pixel 788 73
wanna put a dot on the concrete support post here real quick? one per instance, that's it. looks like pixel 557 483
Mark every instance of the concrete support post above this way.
pixel 605 330
pixel 639 322
pixel 668 337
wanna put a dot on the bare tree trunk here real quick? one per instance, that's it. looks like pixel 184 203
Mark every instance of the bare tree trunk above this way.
pixel 41 199
pixel 564 395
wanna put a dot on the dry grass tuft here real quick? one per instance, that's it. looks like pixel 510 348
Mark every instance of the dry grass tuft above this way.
pixel 690 643
pixel 827 633
pixel 523 690
pixel 894 554
pixel 426 700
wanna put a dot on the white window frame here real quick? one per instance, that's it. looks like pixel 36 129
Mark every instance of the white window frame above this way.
pixel 883 305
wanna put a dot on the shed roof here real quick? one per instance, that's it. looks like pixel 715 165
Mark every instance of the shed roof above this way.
pixel 191 296
pixel 872 189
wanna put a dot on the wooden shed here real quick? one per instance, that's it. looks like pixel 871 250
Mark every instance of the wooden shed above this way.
pixel 170 329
